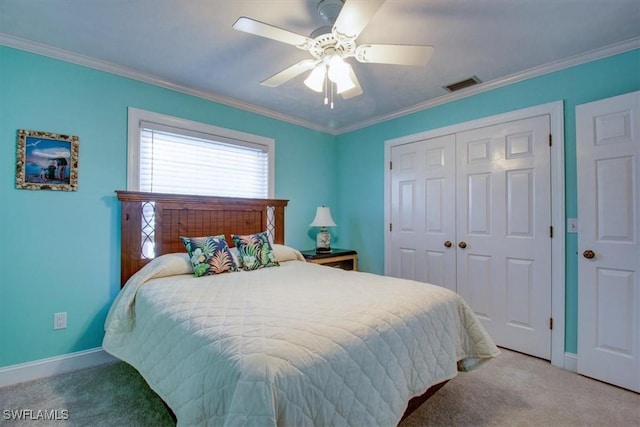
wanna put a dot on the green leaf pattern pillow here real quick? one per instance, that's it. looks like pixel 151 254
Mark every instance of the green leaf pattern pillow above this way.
pixel 209 255
pixel 254 251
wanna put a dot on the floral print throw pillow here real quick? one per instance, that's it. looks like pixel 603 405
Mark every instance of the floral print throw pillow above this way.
pixel 209 255
pixel 254 251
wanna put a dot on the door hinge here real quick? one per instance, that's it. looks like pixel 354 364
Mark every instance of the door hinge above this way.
pixel 551 323
pixel 551 231
pixel 390 227
pixel 550 140
pixel 390 165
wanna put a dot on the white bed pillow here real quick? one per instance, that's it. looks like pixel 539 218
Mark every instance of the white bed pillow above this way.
pixel 286 253
pixel 282 253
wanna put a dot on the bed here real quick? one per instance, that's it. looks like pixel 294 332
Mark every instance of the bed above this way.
pixel 289 344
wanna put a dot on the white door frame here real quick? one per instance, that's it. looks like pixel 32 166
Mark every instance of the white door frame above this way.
pixel 555 110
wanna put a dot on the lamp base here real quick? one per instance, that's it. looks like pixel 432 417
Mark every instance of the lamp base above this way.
pixel 323 241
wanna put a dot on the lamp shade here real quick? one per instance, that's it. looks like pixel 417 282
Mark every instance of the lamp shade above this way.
pixel 340 73
pixel 323 218
pixel 315 81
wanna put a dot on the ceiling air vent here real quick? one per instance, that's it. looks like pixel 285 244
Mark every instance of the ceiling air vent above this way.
pixel 462 84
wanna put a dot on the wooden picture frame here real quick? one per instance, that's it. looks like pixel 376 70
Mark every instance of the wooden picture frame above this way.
pixel 47 161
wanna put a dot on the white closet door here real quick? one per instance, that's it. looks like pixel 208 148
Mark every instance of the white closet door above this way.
pixel 422 203
pixel 471 212
pixel 503 228
pixel 608 152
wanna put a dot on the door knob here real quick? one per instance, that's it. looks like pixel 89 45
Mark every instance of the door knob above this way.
pixel 589 254
pixel 447 244
pixel 462 245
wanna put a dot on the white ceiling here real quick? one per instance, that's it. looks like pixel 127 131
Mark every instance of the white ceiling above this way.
pixel 190 45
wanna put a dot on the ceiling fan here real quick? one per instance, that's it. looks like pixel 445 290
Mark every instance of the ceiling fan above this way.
pixel 331 44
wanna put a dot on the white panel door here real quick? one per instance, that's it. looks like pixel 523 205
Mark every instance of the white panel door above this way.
pixel 471 212
pixel 422 203
pixel 608 152
pixel 503 230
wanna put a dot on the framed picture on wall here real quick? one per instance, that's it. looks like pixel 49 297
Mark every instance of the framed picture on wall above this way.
pixel 47 161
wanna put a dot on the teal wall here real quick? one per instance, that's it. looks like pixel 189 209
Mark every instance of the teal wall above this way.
pixel 59 251
pixel 360 209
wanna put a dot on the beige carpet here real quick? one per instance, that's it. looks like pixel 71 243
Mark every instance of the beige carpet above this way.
pixel 511 390
pixel 518 390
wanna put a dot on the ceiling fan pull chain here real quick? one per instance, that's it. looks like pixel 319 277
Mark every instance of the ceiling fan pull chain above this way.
pixel 332 95
pixel 326 88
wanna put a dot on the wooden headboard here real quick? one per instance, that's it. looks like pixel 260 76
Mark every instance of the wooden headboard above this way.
pixel 152 223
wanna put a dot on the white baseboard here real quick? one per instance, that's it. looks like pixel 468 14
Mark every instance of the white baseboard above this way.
pixel 42 368
pixel 571 362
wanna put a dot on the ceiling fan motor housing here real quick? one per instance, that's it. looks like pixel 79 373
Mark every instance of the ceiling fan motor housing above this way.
pixel 327 42
pixel 329 10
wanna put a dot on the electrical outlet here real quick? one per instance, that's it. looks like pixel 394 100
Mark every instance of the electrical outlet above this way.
pixel 60 320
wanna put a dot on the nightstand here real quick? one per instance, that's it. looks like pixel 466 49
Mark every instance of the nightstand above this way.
pixel 345 259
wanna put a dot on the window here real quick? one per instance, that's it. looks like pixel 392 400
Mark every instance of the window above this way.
pixel 173 155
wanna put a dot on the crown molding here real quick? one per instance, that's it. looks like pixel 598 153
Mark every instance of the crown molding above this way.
pixel 64 55
pixel 97 64
pixel 550 67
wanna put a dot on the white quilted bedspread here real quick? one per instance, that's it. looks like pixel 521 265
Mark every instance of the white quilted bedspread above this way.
pixel 295 345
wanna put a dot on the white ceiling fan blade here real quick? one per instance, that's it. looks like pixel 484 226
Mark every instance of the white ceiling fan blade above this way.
pixel 354 16
pixel 355 91
pixel 290 72
pixel 258 28
pixel 394 54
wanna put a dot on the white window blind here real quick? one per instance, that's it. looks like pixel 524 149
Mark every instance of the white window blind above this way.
pixel 176 160
pixel 168 154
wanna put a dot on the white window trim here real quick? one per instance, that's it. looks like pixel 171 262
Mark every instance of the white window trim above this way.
pixel 136 116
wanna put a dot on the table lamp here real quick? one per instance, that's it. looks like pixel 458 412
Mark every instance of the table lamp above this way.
pixel 323 220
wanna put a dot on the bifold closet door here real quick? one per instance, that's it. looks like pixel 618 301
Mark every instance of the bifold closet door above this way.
pixel 503 224
pixel 422 205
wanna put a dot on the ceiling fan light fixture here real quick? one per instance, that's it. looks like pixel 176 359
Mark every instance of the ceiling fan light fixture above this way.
pixel 345 82
pixel 337 68
pixel 316 78
pixel 340 73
